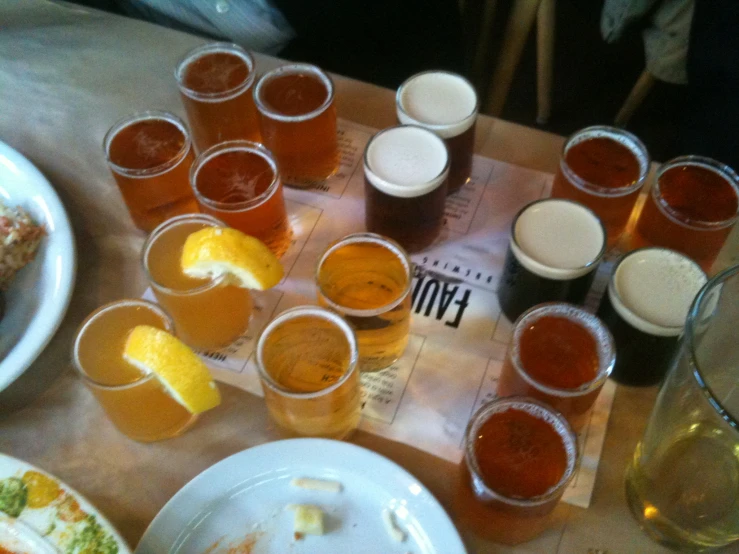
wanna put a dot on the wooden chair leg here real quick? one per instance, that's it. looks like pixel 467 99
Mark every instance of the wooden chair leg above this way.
pixel 544 59
pixel 482 48
pixel 517 29
pixel 643 85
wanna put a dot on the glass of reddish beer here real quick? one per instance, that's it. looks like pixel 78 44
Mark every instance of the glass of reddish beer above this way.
pixel 693 205
pixel 297 118
pixel 603 168
pixel 238 182
pixel 561 355
pixel 215 82
pixel 149 154
pixel 519 456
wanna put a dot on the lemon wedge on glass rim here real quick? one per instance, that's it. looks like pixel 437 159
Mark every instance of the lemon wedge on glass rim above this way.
pixel 245 260
pixel 182 373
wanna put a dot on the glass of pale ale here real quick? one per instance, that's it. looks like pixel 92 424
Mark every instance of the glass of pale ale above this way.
pixel 367 279
pixel 215 82
pixel 307 362
pixel 297 118
pixel 682 484
pixel 238 182
pixel 208 313
pixel 406 171
pixel 603 168
pixel 149 154
pixel 561 355
pixel 519 456
pixel 136 402
pixel 692 207
pixel 446 104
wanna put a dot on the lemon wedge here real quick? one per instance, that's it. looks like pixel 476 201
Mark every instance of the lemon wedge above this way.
pixel 176 366
pixel 216 251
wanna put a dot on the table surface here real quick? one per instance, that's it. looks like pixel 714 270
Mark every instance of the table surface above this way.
pixel 66 73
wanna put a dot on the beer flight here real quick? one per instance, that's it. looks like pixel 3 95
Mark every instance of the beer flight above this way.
pixel 213 204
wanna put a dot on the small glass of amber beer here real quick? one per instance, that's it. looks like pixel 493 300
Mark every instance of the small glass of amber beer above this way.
pixel 367 279
pixel 561 355
pixel 215 82
pixel 149 154
pixel 603 168
pixel 693 205
pixel 406 171
pixel 238 182
pixel 446 104
pixel 307 362
pixel 519 456
pixel 297 118
pixel 554 251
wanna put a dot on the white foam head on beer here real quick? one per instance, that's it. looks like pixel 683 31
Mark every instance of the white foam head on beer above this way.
pixel 406 161
pixel 442 102
pixel 653 288
pixel 558 239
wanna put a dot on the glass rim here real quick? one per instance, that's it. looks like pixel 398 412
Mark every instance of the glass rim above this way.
pixel 214 47
pixel 301 311
pixel 606 348
pixel 135 117
pixel 692 322
pixel 288 69
pixel 562 428
pixel 234 146
pixel 166 318
pixel 427 187
pixel 639 150
pixel 157 232
pixel 723 170
pixel 567 273
pixel 438 127
pixel 668 330
pixel 375 238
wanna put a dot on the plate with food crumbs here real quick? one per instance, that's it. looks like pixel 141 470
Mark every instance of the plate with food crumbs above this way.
pixel 37 263
pixel 303 496
pixel 41 515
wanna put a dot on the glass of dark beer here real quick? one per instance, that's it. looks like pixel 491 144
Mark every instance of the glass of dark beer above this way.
pixel 648 298
pixel 554 251
pixel 405 177
pixel 604 168
pixel 446 104
pixel 693 205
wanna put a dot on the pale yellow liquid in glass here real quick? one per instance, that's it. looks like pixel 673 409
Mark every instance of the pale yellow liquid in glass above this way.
pixel 305 355
pixel 368 276
pixel 137 404
pixel 204 319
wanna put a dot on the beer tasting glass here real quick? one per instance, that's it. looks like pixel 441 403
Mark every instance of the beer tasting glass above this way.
pixel 405 182
pixel 208 313
pixel 238 182
pixel 149 154
pixel 297 118
pixel 603 168
pixel 215 82
pixel 136 403
pixel 307 363
pixel 683 483
pixel 446 104
pixel 559 354
pixel 692 208
pixel 367 279
pixel 553 254
pixel 519 456
pixel 645 306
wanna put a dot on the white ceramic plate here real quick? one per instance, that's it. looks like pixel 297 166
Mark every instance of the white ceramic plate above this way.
pixel 41 515
pixel 240 505
pixel 39 295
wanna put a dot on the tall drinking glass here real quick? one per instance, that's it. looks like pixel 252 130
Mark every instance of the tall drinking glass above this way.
pixel 683 483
